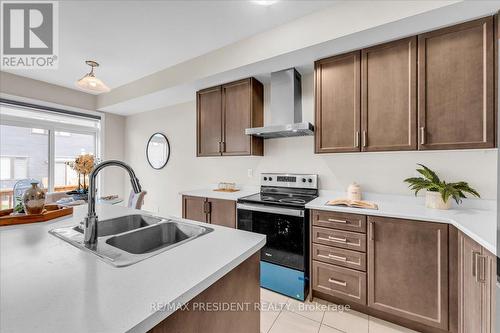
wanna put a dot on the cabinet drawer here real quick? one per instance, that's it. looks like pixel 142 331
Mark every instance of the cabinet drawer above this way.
pixel 340 257
pixel 340 282
pixel 344 239
pixel 349 222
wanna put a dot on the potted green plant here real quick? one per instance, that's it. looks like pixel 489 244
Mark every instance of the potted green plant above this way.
pixel 438 192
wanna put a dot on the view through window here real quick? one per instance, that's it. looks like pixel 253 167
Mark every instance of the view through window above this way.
pixel 37 144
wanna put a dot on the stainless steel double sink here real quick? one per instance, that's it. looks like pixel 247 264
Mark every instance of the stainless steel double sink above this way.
pixel 126 240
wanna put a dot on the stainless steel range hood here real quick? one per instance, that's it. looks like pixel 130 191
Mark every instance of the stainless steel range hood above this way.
pixel 286 108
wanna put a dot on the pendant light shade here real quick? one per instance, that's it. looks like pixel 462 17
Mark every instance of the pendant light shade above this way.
pixel 90 82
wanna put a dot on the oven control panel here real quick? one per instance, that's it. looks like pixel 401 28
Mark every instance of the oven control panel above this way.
pixel 289 180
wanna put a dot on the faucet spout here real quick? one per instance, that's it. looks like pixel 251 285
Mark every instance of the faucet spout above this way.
pixel 90 222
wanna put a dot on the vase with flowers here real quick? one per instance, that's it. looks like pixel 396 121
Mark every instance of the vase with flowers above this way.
pixel 83 165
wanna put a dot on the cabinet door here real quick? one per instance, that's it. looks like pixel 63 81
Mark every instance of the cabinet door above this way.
pixel 389 96
pixel 209 121
pixel 237 112
pixel 408 269
pixel 456 80
pixel 471 294
pixel 222 212
pixel 337 92
pixel 490 290
pixel 194 208
pixel 476 276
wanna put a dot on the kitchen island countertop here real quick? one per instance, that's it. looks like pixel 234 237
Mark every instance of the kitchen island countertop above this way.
pixel 48 285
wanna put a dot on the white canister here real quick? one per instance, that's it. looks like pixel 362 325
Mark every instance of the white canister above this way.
pixel 354 192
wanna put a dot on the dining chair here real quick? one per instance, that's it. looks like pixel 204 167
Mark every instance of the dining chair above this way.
pixel 136 200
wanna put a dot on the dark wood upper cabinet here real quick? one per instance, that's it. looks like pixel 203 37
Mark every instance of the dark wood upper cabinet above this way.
pixel 222 212
pixel 209 121
pixel 242 108
pixel 408 270
pixel 223 114
pixel 337 107
pixel 426 92
pixel 456 86
pixel 389 96
pixel 194 208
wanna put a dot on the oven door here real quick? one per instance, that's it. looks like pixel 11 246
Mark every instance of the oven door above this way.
pixel 285 229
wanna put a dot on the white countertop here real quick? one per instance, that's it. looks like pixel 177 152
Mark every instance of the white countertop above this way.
pixel 476 218
pixel 210 193
pixel 48 285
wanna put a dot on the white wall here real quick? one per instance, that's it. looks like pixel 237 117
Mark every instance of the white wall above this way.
pixel 24 87
pixel 376 172
pixel 114 148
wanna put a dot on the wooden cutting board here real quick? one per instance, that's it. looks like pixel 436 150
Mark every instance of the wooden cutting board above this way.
pixel 49 213
pixel 230 190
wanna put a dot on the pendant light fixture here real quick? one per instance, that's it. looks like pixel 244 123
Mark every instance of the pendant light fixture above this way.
pixel 90 83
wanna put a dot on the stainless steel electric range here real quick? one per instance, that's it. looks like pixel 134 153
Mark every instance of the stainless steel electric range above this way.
pixel 279 212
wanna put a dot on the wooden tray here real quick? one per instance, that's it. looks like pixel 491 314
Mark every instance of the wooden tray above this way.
pixel 50 212
pixel 226 190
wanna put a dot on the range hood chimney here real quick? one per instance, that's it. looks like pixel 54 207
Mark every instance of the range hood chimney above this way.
pixel 286 108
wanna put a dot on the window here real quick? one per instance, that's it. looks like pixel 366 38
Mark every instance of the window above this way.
pixel 13 168
pixel 37 143
pixel 23 155
pixel 5 168
pixel 67 148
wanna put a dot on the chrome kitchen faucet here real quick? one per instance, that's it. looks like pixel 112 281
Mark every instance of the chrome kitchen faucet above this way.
pixel 90 222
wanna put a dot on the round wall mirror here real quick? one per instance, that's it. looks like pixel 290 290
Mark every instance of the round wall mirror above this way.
pixel 158 151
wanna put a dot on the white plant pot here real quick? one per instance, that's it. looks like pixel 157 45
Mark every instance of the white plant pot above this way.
pixel 435 201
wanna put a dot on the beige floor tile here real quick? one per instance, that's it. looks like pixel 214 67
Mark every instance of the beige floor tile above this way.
pixel 348 321
pixel 289 322
pixel 311 310
pixel 376 325
pixel 328 329
pixel 269 296
pixel 267 319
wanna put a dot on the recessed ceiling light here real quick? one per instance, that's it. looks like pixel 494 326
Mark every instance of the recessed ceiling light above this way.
pixel 264 2
pixel 89 82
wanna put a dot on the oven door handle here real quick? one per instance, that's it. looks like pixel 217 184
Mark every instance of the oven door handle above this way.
pixel 272 210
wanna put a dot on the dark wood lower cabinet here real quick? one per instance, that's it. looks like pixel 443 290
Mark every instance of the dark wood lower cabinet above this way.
pixel 408 269
pixel 240 286
pixel 209 210
pixel 193 208
pixel 474 286
pixel 426 276
pixel 340 281
pixel 222 212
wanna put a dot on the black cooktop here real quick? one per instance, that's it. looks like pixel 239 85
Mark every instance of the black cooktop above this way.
pixel 287 199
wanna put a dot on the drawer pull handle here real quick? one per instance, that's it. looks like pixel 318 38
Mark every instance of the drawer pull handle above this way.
pixel 340 283
pixel 337 221
pixel 337 239
pixel 338 258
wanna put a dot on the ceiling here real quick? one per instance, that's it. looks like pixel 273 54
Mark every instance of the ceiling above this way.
pixel 132 39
